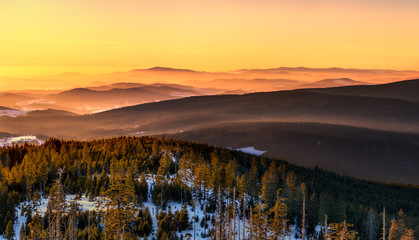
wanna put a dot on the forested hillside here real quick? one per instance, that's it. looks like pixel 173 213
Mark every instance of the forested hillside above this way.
pixel 169 189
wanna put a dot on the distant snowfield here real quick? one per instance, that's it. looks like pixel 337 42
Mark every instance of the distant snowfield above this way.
pixel 21 139
pixel 12 113
pixel 251 150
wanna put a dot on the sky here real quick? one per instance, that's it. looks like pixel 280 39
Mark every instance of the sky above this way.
pixel 46 37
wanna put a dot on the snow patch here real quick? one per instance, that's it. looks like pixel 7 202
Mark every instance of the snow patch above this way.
pixel 12 113
pixel 251 150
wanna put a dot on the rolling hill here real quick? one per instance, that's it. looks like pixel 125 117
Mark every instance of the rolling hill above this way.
pixel 346 133
pixel 100 98
pixel 358 152
pixel 404 90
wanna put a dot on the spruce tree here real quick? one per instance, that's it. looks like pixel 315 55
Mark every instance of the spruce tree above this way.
pixel 398 229
pixel 409 235
pixel 270 185
pixel 118 203
pixel 57 206
pixel 9 230
pixel 278 219
pixel 341 231
pixel 371 225
pixel 142 188
pixel 259 223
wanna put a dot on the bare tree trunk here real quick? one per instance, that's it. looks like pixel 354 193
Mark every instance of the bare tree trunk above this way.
pixel 234 213
pixel 58 217
pixel 244 217
pixel 228 213
pixel 251 224
pixel 228 224
pixel 50 227
pixel 384 223
pixel 344 231
pixel 325 228
pixel 265 227
pixel 304 216
pixel 289 233
pixel 284 230
pixel 118 232
pixel 219 214
pixel 88 225
pixel 194 219
pixel 72 228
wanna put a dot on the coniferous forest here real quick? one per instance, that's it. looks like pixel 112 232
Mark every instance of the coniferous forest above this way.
pixel 157 188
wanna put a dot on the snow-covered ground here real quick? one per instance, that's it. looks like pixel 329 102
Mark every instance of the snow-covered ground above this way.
pixel 12 113
pixel 176 206
pixel 251 150
pixel 198 212
pixel 21 139
pixel 84 202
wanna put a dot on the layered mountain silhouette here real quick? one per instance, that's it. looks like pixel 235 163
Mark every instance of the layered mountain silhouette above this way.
pixel 348 130
pixel 100 98
pixel 404 90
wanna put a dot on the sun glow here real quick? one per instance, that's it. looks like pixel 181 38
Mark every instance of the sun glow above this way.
pixel 44 37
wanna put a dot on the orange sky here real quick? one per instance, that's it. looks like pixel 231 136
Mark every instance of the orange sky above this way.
pixel 45 37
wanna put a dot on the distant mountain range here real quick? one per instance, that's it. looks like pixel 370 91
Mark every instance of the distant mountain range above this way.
pixel 369 131
pixel 191 82
pixel 100 98
pixel 332 83
pixel 105 97
pixel 5 108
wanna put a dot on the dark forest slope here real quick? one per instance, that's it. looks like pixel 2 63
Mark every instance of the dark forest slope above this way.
pixel 360 152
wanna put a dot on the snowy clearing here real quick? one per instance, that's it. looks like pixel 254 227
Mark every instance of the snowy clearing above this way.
pixel 12 113
pixel 251 150
pixel 194 213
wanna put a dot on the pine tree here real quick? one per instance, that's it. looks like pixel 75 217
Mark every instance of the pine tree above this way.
pixel 396 231
pixel 185 169
pixel 143 188
pixel 371 225
pixel 341 231
pixel 72 215
pixel 56 207
pixel 9 230
pixel 303 222
pixel 384 223
pixel 312 217
pixel 165 163
pixel 36 229
pixel 252 181
pixel 278 220
pixel 234 214
pixel 184 219
pixel 270 185
pixel 230 174
pixel 409 235
pixel 398 228
pixel 216 173
pixel 119 204
pixel 259 222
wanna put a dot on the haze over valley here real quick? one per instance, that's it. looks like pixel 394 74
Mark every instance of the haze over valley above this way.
pixel 209 120
pixel 345 129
